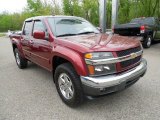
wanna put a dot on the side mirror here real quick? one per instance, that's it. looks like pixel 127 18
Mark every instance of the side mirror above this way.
pixel 39 34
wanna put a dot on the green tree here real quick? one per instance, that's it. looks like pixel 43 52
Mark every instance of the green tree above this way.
pixel 88 9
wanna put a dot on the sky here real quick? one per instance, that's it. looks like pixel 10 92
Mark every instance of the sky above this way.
pixel 12 5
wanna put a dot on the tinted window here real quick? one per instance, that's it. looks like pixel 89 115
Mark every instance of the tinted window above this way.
pixel 71 26
pixel 38 25
pixel 148 21
pixel 28 28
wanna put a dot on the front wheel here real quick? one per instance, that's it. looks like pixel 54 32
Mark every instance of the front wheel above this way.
pixel 68 85
pixel 21 62
pixel 147 41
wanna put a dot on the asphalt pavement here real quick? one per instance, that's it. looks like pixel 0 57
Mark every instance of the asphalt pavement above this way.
pixel 30 94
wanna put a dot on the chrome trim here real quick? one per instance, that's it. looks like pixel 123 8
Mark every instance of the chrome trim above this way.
pixel 116 79
pixel 113 60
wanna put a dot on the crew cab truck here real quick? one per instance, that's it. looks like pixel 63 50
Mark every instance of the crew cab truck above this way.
pixel 147 28
pixel 84 62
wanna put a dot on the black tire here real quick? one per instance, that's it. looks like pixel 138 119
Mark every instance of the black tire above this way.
pixel 21 62
pixel 147 41
pixel 77 96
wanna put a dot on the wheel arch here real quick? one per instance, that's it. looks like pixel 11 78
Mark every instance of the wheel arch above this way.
pixel 14 46
pixel 75 61
pixel 150 32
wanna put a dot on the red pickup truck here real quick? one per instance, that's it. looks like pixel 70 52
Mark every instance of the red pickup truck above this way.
pixel 84 62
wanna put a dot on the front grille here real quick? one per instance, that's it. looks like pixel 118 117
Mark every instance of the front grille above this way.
pixel 128 52
pixel 128 63
pixel 131 62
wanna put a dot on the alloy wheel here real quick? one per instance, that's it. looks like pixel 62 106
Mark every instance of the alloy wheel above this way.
pixel 66 86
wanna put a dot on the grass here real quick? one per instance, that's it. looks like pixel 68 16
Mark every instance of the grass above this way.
pixel 2 34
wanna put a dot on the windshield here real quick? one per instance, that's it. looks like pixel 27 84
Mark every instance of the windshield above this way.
pixel 143 21
pixel 71 26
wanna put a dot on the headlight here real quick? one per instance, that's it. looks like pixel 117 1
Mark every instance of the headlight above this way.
pixel 99 69
pixel 99 55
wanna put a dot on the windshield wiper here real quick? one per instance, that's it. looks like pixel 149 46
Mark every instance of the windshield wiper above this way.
pixel 86 32
pixel 68 34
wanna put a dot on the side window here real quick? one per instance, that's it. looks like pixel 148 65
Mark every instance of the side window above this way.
pixel 38 25
pixel 27 28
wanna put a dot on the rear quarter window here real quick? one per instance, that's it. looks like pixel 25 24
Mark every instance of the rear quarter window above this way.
pixel 148 21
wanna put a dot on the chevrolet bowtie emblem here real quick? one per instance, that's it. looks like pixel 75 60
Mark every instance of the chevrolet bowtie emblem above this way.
pixel 133 55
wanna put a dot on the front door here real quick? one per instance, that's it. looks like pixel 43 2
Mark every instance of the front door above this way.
pixel 41 48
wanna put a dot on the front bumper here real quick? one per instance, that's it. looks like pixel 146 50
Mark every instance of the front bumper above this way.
pixel 95 86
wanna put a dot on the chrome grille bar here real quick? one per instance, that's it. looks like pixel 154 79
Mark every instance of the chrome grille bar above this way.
pixel 114 60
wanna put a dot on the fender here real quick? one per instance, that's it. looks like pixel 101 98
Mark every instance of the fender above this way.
pixel 76 59
pixel 16 41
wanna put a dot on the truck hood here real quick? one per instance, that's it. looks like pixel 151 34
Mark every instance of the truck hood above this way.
pixel 98 42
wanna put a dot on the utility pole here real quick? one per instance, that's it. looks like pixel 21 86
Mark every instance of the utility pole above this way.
pixel 102 15
pixel 115 4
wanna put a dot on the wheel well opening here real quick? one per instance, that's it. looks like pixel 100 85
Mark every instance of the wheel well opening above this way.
pixel 58 61
pixel 14 47
pixel 151 33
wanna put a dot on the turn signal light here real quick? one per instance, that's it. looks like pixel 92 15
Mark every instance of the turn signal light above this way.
pixel 91 69
pixel 88 56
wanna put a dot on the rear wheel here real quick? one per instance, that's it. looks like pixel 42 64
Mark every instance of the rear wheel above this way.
pixel 68 85
pixel 147 41
pixel 21 62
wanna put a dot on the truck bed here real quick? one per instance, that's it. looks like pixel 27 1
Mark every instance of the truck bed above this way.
pixel 130 29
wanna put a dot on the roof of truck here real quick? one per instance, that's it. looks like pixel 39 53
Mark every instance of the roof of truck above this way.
pixel 48 16
pixel 142 18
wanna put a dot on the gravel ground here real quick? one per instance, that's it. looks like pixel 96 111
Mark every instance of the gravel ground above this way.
pixel 30 94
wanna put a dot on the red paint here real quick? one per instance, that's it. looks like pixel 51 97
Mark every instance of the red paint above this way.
pixel 73 48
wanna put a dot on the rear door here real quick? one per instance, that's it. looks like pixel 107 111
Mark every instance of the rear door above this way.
pixel 41 48
pixel 26 39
